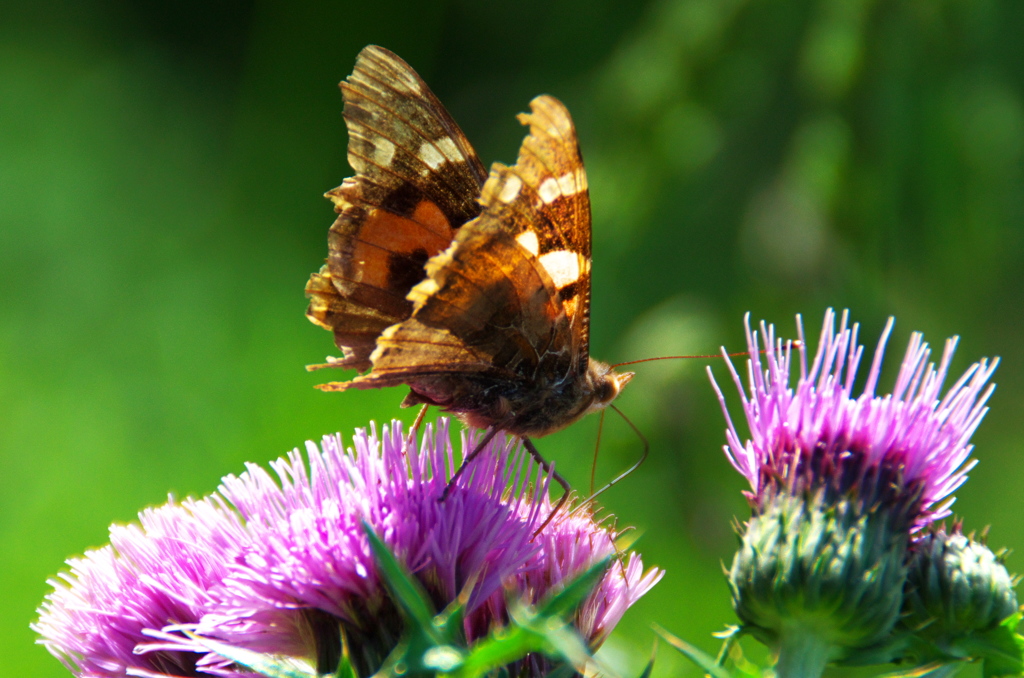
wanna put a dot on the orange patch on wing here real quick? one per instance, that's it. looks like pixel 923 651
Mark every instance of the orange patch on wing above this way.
pixel 431 216
pixel 403 234
pixel 384 235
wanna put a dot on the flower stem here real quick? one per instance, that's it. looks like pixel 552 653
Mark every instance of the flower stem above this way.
pixel 802 654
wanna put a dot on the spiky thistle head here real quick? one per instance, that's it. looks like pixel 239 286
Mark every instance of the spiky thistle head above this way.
pixel 283 565
pixel 840 482
pixel 908 450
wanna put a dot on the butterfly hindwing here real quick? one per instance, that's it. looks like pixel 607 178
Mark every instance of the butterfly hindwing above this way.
pixel 486 307
pixel 418 180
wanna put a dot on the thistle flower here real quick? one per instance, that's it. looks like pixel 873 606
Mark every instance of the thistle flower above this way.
pixel 161 571
pixel 839 485
pixel 308 550
pixel 570 545
pixel 297 575
pixel 908 448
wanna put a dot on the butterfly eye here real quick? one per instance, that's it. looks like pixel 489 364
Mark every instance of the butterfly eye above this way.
pixel 608 389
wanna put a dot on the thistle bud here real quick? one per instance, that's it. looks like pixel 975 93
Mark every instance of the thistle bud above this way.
pixel 955 586
pixel 815 580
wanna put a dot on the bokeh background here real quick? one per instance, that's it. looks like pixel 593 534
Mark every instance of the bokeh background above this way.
pixel 161 166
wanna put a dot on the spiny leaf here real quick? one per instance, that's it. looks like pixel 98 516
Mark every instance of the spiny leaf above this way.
pixel 650 665
pixel 702 659
pixel 345 669
pixel 1001 650
pixel 559 636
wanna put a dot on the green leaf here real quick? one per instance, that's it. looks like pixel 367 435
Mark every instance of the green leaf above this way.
pixel 559 636
pixel 1005 656
pixel 568 599
pixel 432 643
pixel 408 592
pixel 272 666
pixel 428 646
pixel 1001 651
pixel 936 669
pixel 450 622
pixel 345 668
pixel 530 631
pixel 501 647
pixel 650 665
pixel 702 659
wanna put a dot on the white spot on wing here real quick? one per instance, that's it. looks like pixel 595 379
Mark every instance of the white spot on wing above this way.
pixel 436 153
pixel 572 183
pixel 563 266
pixel 510 191
pixel 383 151
pixel 449 149
pixel 549 190
pixel 430 155
pixel 528 239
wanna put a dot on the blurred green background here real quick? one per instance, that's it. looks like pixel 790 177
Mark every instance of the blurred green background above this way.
pixel 161 166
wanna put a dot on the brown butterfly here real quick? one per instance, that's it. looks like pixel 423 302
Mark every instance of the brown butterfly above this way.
pixel 472 290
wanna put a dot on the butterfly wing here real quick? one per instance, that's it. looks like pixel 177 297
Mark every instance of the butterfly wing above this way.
pixel 544 203
pixel 417 181
pixel 501 318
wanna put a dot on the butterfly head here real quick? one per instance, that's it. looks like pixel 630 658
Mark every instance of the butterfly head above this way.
pixel 606 384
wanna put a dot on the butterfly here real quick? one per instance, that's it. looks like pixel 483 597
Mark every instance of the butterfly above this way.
pixel 472 289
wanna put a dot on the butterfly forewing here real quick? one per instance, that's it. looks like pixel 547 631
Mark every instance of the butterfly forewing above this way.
pixel 404 142
pixel 417 181
pixel 544 202
pixel 488 296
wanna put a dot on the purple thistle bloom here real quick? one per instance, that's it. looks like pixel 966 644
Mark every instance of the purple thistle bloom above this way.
pixel 159 572
pixel 569 546
pixel 908 449
pixel 841 484
pixel 287 568
pixel 308 550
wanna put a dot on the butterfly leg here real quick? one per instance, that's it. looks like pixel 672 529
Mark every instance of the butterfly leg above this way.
pixel 546 465
pixel 493 431
pixel 411 439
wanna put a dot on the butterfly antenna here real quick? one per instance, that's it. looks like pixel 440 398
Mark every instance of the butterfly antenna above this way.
pixel 796 343
pixel 628 471
pixel 597 447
